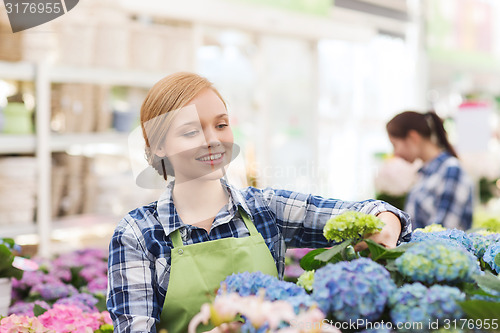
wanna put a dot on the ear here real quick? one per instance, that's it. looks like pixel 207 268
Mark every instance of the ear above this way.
pixel 414 136
pixel 160 152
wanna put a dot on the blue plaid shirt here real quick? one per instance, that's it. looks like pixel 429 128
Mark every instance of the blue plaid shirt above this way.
pixel 442 194
pixel 139 257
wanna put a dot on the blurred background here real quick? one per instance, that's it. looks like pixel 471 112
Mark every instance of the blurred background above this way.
pixel 309 84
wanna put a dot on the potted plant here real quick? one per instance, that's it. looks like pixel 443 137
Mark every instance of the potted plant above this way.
pixel 7 272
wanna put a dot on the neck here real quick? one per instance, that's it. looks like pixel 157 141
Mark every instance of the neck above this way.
pixel 198 194
pixel 430 151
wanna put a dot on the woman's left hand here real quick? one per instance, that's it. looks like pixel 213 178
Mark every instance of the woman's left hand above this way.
pixel 389 234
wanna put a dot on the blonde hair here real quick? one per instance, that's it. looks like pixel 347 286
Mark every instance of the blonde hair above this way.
pixel 169 94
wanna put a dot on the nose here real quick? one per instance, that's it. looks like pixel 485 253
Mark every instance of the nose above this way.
pixel 211 138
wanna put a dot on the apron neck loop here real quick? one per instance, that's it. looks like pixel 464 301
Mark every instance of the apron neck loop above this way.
pixel 248 222
pixel 176 239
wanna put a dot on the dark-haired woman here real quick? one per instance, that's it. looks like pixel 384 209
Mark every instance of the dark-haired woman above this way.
pixel 443 192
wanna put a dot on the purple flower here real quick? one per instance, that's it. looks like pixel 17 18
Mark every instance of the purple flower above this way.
pixel 30 280
pixel 99 285
pixel 86 302
pixel 52 291
pixel 98 270
pixel 297 253
pixel 21 308
pixel 293 271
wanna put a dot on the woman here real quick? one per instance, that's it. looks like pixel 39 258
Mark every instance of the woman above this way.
pixel 166 257
pixel 443 192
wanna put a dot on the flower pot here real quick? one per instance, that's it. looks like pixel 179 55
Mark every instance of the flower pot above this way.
pixel 17 119
pixel 5 291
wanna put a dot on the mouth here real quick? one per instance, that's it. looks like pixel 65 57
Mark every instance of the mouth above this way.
pixel 214 158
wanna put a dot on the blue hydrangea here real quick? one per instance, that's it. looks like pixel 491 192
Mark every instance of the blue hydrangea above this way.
pixel 481 242
pixel 432 262
pixel 246 284
pixel 352 290
pixel 415 303
pixel 450 236
pixel 489 256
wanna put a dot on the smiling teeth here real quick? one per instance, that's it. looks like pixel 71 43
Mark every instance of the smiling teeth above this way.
pixel 211 157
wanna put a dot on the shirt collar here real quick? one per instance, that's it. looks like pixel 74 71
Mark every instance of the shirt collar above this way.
pixel 431 166
pixel 171 221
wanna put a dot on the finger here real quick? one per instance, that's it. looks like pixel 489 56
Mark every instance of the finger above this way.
pixel 360 246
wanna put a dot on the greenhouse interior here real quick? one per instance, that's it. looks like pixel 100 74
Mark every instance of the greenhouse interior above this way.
pixel 336 166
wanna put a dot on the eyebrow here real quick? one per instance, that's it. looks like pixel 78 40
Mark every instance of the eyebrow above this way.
pixel 222 115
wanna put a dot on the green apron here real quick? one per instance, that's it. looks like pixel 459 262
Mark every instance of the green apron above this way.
pixel 198 269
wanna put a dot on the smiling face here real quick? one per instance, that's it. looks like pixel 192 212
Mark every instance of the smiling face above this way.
pixel 199 141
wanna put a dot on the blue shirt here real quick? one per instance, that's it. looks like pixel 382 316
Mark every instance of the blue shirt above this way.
pixel 139 257
pixel 442 194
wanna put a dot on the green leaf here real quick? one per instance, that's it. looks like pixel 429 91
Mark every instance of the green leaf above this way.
pixel 487 281
pixel 105 328
pixel 404 247
pixel 38 310
pixel 76 280
pixel 379 252
pixel 391 266
pixel 330 253
pixel 101 304
pixel 308 262
pixel 12 272
pixel 478 309
pixel 6 260
pixel 497 259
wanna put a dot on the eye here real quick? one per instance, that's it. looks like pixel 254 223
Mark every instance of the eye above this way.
pixel 220 126
pixel 190 133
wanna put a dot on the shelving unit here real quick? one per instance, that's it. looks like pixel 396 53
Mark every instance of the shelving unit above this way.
pixel 43 143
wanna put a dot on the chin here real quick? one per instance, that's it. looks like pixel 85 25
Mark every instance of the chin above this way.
pixel 216 174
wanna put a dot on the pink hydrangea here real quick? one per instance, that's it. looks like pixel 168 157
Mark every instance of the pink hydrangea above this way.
pixel 69 318
pixel 23 324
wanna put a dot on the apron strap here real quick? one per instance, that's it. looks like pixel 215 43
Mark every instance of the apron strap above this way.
pixel 176 239
pixel 248 222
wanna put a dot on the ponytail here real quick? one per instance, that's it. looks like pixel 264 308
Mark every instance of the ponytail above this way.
pixel 437 130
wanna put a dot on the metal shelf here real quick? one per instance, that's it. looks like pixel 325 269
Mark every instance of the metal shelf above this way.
pixel 12 231
pixel 106 76
pixel 17 144
pixel 63 142
pixel 24 71
pixel 26 144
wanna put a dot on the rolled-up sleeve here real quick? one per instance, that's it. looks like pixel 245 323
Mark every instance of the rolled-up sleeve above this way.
pixel 301 217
